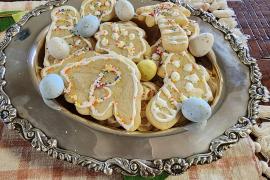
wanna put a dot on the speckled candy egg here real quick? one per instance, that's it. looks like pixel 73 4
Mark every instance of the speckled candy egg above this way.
pixel 124 10
pixel 51 86
pixel 148 69
pixel 196 109
pixel 58 48
pixel 200 45
pixel 87 26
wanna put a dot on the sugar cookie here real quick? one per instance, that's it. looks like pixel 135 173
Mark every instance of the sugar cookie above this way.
pixel 103 9
pixel 122 38
pixel 96 85
pixel 63 20
pixel 163 110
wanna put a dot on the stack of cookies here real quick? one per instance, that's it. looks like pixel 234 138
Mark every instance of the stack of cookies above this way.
pixel 103 61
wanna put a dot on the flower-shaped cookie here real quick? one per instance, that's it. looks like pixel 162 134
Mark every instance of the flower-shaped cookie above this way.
pixel 95 85
pixel 122 38
pixel 183 78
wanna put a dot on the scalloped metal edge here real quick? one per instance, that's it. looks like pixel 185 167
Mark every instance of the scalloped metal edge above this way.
pixel 131 167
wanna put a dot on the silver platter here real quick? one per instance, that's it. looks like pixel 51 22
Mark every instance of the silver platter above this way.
pixel 63 136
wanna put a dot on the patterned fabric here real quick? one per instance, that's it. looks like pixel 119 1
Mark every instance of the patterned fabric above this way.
pixel 18 160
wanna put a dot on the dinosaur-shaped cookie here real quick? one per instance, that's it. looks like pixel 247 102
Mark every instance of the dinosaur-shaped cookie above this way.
pixel 183 78
pixel 103 9
pixel 122 38
pixel 150 14
pixel 171 19
pixel 174 38
pixel 95 85
pixel 63 20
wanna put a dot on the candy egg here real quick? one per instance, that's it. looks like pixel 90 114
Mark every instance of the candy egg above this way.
pixel 200 45
pixel 196 109
pixel 51 86
pixel 58 48
pixel 124 10
pixel 87 26
pixel 148 69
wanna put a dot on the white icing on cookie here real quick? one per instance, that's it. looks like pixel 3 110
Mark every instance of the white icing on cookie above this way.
pixel 188 67
pixel 176 63
pixel 193 78
pixel 175 76
pixel 189 86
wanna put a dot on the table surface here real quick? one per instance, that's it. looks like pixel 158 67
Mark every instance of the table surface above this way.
pixel 253 17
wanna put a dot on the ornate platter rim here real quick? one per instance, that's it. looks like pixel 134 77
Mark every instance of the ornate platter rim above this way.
pixel 173 166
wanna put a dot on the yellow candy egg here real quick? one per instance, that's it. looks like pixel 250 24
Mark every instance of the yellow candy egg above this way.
pixel 148 69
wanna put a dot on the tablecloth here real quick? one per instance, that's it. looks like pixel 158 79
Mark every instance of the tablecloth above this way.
pixel 18 160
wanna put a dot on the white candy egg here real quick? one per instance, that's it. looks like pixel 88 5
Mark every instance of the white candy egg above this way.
pixel 196 109
pixel 124 10
pixel 58 48
pixel 51 86
pixel 200 45
pixel 87 26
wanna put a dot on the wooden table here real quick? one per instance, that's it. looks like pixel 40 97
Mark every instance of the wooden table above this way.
pixel 253 17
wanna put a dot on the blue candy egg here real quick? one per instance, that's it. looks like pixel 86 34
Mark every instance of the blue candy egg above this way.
pixel 51 86
pixel 196 109
pixel 87 26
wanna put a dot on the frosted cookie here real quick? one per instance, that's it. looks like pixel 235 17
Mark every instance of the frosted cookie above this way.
pixel 150 14
pixel 77 57
pixel 149 91
pixel 193 29
pixel 183 78
pixel 174 38
pixel 157 51
pixel 122 38
pixel 63 20
pixel 170 19
pixel 96 85
pixel 103 9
